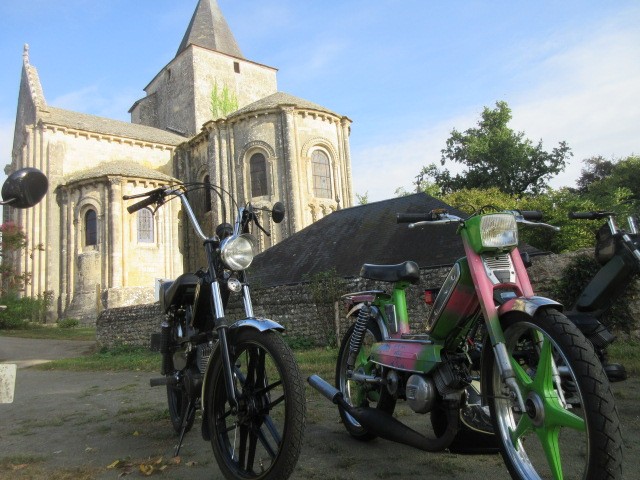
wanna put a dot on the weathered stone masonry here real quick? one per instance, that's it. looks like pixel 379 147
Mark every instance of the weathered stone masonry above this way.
pixel 292 306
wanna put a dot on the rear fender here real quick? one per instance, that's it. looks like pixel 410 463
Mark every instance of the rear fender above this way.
pixel 375 313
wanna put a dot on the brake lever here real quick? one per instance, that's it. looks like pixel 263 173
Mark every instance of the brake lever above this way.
pixel 255 220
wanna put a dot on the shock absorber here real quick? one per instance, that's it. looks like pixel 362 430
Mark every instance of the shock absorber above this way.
pixel 165 342
pixel 357 337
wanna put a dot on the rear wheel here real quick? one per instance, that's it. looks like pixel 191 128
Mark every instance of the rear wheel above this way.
pixel 180 412
pixel 262 437
pixel 360 394
pixel 570 426
pixel 178 402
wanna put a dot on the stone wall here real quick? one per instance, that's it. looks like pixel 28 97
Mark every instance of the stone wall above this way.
pixel 128 325
pixel 292 306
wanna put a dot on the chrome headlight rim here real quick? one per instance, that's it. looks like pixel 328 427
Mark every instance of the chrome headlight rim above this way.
pixel 499 231
pixel 237 251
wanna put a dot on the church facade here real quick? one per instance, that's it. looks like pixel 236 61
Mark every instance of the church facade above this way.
pixel 210 115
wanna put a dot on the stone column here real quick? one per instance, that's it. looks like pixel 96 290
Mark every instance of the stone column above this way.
pixel 347 200
pixel 116 244
pixel 290 161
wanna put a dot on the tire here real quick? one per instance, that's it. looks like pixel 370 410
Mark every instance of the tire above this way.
pixel 263 438
pixel 178 402
pixel 582 433
pixel 177 396
pixel 360 395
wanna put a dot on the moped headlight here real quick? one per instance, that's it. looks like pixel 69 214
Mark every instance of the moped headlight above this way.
pixel 499 231
pixel 238 252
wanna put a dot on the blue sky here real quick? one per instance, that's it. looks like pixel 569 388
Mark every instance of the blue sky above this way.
pixel 406 72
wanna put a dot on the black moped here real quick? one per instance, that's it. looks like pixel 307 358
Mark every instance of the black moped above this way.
pixel 618 253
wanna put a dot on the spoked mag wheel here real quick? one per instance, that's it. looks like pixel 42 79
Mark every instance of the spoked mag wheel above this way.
pixel 360 394
pixel 262 438
pixel 570 427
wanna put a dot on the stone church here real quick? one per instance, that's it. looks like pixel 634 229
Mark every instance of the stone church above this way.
pixel 264 146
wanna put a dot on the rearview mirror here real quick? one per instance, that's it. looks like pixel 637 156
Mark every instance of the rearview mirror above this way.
pixel 24 188
pixel 277 212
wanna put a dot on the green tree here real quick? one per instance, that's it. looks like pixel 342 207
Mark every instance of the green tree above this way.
pixel 554 205
pixel 496 156
pixel 362 199
pixel 223 101
pixel 14 241
pixel 612 184
pixel 595 169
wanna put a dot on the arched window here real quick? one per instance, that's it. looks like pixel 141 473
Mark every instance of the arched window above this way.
pixel 90 228
pixel 145 226
pixel 321 174
pixel 207 193
pixel 258 173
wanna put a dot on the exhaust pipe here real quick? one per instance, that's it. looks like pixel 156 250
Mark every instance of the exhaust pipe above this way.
pixel 386 426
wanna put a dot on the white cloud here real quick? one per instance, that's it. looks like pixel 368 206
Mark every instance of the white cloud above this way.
pixel 584 90
pixel 6 145
pixel 381 169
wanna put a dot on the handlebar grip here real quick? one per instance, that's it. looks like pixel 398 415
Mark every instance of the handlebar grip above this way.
pixel 589 215
pixel 142 203
pixel 413 217
pixel 531 214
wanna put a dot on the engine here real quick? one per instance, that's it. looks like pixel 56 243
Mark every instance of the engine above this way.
pixel 448 380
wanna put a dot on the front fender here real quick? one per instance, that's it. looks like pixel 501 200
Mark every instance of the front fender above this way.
pixel 261 324
pixel 527 305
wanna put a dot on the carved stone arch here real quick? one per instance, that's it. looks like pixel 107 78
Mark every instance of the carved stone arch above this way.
pixel 247 152
pixel 319 142
pixel 256 145
pixel 84 205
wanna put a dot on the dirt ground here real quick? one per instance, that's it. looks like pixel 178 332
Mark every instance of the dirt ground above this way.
pixel 74 425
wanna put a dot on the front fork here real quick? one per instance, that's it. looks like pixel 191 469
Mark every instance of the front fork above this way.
pixel 484 290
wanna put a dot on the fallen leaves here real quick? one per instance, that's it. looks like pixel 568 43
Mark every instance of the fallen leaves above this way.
pixel 147 467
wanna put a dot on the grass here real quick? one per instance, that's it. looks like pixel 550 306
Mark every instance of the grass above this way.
pixel 122 358
pixel 319 361
pixel 626 352
pixel 52 332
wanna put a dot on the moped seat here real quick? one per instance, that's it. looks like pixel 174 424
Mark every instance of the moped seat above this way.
pixel 180 290
pixel 403 272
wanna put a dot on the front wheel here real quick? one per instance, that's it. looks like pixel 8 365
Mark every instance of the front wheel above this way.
pixel 261 439
pixel 570 426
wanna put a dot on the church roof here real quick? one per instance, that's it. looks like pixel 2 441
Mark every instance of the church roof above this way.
pixel 119 168
pixel 107 126
pixel 209 29
pixel 346 239
pixel 279 99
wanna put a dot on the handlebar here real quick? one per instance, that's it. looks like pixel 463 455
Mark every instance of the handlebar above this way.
pixel 152 196
pixel 414 217
pixel 590 215
pixel 441 216
pixel 530 214
pixel 245 215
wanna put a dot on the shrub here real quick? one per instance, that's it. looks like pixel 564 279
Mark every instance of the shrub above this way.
pixel 21 311
pixel 68 323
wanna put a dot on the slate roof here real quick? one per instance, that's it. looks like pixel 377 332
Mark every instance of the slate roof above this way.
pixel 348 238
pixel 277 99
pixel 119 168
pixel 107 126
pixel 209 29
